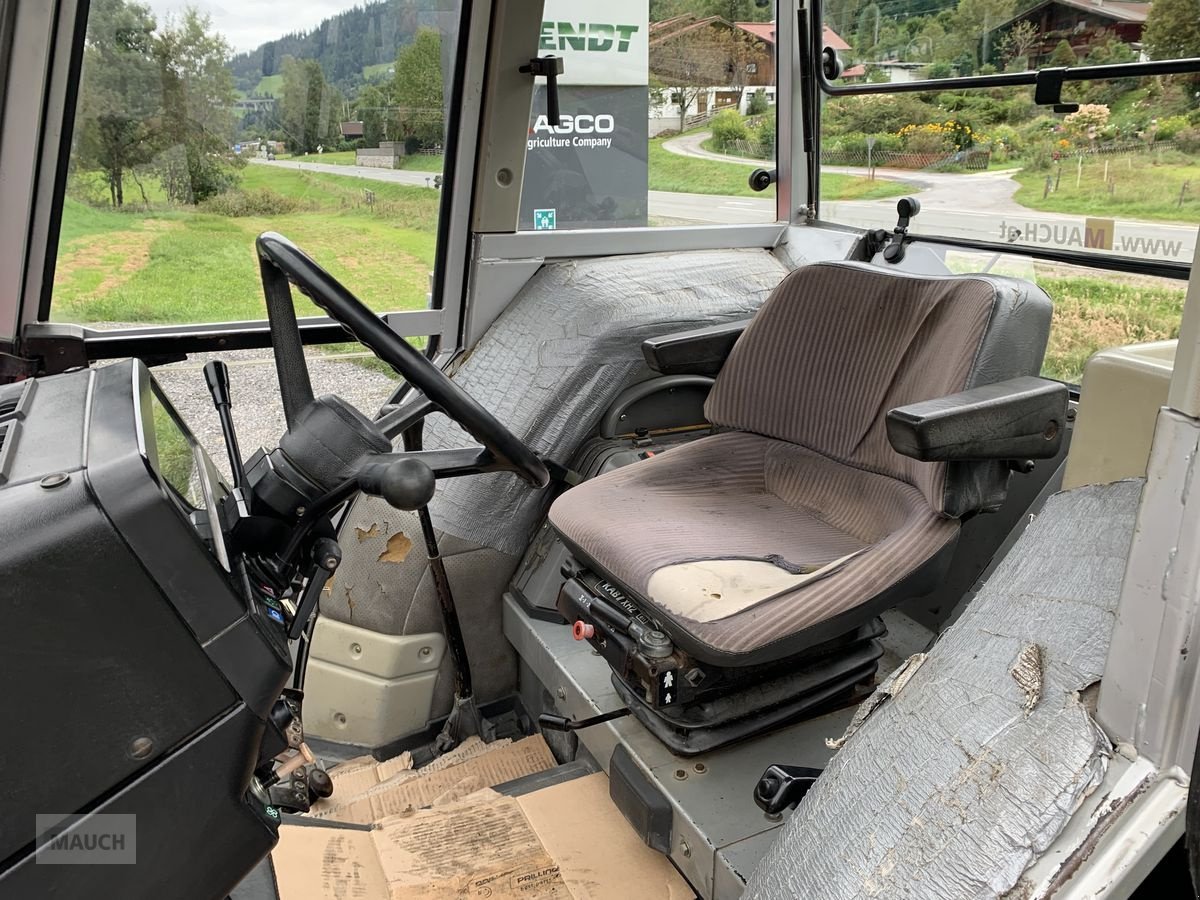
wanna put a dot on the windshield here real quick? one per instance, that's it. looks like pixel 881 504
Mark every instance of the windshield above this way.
pixel 198 127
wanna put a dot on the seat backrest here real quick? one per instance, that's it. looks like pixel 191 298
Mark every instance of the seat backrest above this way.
pixel 837 345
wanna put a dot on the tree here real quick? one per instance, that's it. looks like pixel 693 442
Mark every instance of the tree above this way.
pixel 1173 29
pixel 371 109
pixel 1063 55
pixel 417 89
pixel 118 94
pixel 730 10
pixel 695 60
pixel 974 23
pixel 1018 41
pixel 196 124
pixel 309 108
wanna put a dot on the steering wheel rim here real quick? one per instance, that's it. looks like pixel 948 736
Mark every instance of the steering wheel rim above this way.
pixel 281 264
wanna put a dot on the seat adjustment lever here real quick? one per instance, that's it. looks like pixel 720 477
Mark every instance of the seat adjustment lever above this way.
pixel 551 722
pixel 781 787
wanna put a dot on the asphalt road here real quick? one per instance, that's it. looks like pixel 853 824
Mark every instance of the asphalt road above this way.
pixel 972 206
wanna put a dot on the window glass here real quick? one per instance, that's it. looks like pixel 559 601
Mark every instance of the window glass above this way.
pixel 1118 176
pixel 201 125
pixel 1093 309
pixel 666 108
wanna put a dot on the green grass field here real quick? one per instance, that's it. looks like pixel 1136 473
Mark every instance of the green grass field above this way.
pixel 1136 187
pixel 191 266
pixel 269 86
pixel 691 175
pixel 378 72
pixel 1098 312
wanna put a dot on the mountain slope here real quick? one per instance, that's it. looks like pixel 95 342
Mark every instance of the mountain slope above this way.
pixel 345 44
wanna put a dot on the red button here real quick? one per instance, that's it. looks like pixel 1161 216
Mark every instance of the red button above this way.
pixel 582 630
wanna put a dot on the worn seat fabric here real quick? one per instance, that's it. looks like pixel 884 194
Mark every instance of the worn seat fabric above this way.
pixel 801 512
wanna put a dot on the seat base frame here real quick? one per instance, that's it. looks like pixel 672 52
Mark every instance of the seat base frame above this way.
pixel 694 705
pixel 756 708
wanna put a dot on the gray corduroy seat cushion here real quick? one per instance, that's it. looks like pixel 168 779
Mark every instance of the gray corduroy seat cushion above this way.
pixel 803 512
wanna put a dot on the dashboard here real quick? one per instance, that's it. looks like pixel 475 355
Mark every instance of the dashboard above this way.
pixel 141 659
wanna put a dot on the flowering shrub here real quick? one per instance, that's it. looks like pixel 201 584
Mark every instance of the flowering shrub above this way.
pixel 1169 127
pixel 1004 142
pixel 1090 115
pixel 934 136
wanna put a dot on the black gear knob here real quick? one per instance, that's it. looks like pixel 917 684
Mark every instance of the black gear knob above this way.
pixel 405 483
pixel 216 376
pixel 908 207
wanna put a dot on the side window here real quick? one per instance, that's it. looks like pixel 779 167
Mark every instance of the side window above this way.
pixel 666 107
pixel 1114 173
pixel 197 128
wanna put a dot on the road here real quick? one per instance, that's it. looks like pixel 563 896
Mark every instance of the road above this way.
pixel 395 176
pixel 975 206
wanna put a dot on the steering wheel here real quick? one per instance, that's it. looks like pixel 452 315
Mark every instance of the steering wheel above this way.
pixel 282 264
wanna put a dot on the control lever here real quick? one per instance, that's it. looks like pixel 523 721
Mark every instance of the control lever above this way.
pixel 907 209
pixel 551 722
pixel 404 483
pixel 327 554
pixel 216 375
pixel 780 787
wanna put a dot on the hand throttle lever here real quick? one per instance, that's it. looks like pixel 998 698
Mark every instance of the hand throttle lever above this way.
pixel 216 375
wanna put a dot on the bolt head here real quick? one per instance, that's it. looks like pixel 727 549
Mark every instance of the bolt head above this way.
pixel 141 748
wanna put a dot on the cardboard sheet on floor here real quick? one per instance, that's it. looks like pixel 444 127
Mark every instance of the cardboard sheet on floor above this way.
pixel 598 853
pixel 355 777
pixel 565 842
pixel 411 790
pixel 481 846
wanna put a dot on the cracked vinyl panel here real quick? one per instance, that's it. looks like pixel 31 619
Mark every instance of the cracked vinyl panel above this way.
pixel 972 761
pixel 548 369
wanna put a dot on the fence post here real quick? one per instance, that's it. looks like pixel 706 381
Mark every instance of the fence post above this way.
pixel 1182 193
pixel 1079 172
pixel 1057 175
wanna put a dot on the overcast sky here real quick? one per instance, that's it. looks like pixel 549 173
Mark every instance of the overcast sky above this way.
pixel 248 23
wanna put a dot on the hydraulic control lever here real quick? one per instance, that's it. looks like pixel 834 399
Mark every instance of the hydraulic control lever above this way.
pixel 782 786
pixel 216 375
pixel 906 209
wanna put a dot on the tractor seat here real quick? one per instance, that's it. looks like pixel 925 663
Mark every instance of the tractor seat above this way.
pixel 862 414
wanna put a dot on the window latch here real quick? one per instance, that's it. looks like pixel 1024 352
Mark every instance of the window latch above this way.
pixel 548 67
pixel 1047 90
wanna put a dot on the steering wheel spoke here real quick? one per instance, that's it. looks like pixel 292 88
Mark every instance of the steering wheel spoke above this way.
pixel 403 416
pixel 282 263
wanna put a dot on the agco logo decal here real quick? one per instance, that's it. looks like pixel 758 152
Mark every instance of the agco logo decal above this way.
pixel 582 124
pixel 543 134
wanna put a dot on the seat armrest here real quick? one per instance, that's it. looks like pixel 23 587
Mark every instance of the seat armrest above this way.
pixel 701 351
pixel 1022 418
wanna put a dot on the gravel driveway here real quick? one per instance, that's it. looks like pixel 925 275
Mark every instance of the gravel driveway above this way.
pixel 257 408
